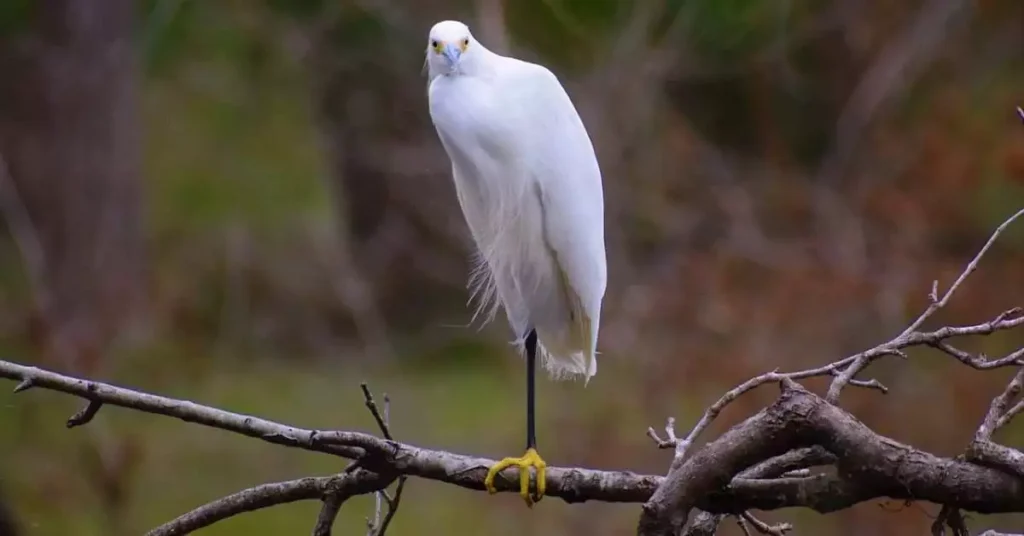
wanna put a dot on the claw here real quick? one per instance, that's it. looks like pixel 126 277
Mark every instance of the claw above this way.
pixel 530 459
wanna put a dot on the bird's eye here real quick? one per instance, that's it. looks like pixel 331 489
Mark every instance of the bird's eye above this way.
pixel 433 43
pixel 465 42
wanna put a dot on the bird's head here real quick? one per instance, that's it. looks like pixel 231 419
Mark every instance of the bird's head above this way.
pixel 451 48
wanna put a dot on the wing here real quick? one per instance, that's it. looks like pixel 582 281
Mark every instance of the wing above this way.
pixel 568 179
pixel 473 172
pixel 482 285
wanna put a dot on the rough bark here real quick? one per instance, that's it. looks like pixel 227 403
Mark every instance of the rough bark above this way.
pixel 868 466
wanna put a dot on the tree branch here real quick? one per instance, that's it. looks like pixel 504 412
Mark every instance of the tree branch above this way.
pixel 870 466
pixel 343 485
pixel 935 303
pixel 985 451
pixel 761 463
pixel 572 484
pixel 769 444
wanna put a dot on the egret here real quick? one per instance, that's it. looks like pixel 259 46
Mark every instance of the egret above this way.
pixel 529 186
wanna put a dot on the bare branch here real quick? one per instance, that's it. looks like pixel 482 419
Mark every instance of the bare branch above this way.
pixel 759 464
pixel 992 454
pixel 266 495
pixel 379 527
pixel 764 528
pixel 986 452
pixel 338 443
pixel 85 414
pixel 682 445
pixel 1010 414
pixel 998 409
pixel 949 517
pixel 844 370
pixel 392 506
pixel 871 466
pixel 382 422
pixel 936 303
pixel 23 385
pixel 572 484
pixel 785 464
pixel 743 525
pixel 706 524
pixel 328 513
pixel 981 362
pixel 771 443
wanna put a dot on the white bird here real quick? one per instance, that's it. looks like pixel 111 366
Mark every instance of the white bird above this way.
pixel 529 186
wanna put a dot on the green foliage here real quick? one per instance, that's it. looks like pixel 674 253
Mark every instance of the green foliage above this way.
pixel 568 33
pixel 164 26
pixel 358 29
pixel 15 16
pixel 728 30
pixel 230 141
pixel 299 9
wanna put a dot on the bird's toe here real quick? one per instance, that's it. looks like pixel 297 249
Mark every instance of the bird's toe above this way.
pixel 524 463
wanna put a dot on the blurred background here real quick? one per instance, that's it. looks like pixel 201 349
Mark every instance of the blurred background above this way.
pixel 243 203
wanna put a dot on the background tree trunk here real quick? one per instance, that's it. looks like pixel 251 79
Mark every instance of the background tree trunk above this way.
pixel 70 136
pixel 8 527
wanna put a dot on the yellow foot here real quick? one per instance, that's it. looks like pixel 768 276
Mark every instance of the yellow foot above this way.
pixel 530 459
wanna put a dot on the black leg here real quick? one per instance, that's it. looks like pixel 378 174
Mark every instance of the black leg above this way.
pixel 531 368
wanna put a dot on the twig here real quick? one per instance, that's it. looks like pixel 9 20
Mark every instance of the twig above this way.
pixel 681 446
pixel 844 369
pixel 378 527
pixel 949 517
pixel 332 501
pixel 743 525
pixel 382 422
pixel 84 415
pixel 328 514
pixel 764 528
pixel 981 362
pixel 997 410
pixel 935 304
pixel 267 495
pixel 392 506
pixel 982 449
pixel 23 385
pixel 1010 414
pixel 788 462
